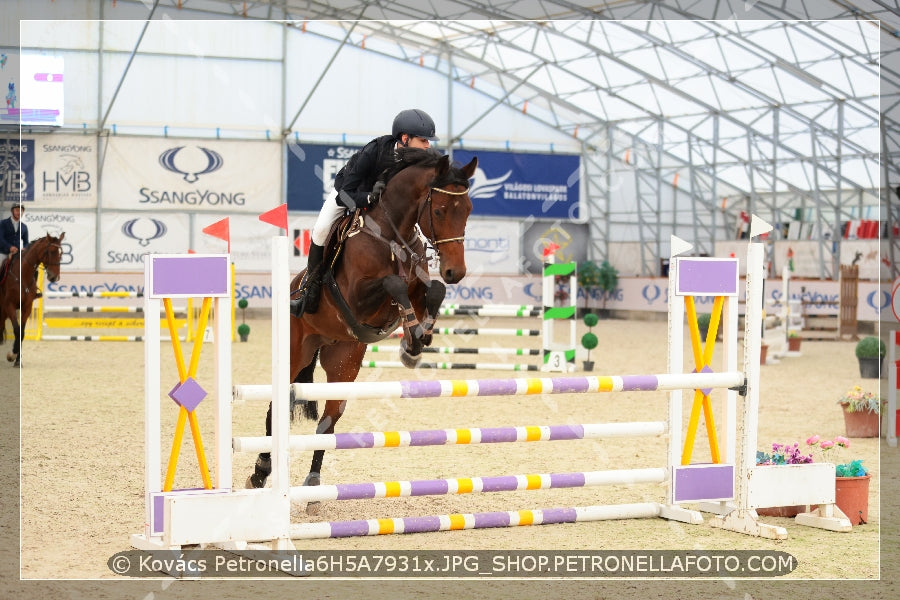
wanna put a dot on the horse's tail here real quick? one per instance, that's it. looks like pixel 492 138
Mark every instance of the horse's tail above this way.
pixel 310 408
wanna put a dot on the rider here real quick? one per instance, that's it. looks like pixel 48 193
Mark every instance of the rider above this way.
pixel 13 234
pixel 356 187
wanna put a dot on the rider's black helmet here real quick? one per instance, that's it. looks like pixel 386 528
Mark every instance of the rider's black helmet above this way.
pixel 414 122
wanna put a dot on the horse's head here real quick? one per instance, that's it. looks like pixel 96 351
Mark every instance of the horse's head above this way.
pixel 444 219
pixel 48 252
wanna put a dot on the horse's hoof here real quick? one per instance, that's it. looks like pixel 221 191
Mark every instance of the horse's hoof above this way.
pixel 312 508
pixel 410 361
pixel 255 481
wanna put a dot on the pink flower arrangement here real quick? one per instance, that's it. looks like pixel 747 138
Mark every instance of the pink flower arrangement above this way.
pixel 790 454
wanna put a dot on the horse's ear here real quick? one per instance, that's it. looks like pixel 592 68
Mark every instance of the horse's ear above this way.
pixel 443 166
pixel 62 236
pixel 469 169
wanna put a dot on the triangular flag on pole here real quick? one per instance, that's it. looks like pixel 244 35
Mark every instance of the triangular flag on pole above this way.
pixel 277 216
pixel 221 230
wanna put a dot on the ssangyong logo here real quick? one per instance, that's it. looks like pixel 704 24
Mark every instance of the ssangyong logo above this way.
pixel 144 230
pixel 483 187
pixel 212 159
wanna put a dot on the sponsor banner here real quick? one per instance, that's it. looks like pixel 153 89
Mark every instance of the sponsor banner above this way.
pixel 163 174
pixel 16 170
pixel 310 173
pixel 507 184
pixel 127 237
pixel 65 171
pixel 80 244
pixel 492 247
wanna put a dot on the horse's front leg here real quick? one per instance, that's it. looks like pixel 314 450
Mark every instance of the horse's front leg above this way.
pixel 434 297
pixel 413 333
pixel 13 355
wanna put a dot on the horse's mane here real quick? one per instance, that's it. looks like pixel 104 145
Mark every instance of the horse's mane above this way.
pixel 411 157
pixel 420 157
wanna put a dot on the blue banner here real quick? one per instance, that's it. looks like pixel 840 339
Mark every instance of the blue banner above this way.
pixel 310 173
pixel 16 170
pixel 506 184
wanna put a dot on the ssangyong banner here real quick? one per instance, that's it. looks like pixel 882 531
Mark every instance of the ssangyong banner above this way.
pixel 164 174
pixel 127 237
pixel 311 169
pixel 79 247
pixel 508 184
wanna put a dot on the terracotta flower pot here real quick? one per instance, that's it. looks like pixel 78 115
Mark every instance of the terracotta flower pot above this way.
pixel 852 497
pixel 781 511
pixel 861 424
pixel 794 344
pixel 762 354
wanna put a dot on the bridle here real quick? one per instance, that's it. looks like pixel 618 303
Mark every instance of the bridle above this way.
pixel 435 243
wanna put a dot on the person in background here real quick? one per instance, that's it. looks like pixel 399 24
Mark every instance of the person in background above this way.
pixel 13 234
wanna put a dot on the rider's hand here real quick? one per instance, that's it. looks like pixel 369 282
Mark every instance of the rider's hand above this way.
pixel 375 195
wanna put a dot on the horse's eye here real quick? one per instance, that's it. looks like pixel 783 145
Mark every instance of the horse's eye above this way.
pixel 438 212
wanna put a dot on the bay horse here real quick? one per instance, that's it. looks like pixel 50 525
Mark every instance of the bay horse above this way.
pixel 378 279
pixel 19 286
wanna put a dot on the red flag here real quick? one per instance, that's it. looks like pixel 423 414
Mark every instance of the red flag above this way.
pixel 277 217
pixel 550 248
pixel 221 230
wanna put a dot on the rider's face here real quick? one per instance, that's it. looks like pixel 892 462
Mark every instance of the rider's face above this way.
pixel 17 213
pixel 419 142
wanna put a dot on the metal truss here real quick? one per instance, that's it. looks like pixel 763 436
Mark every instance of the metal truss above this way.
pixel 757 106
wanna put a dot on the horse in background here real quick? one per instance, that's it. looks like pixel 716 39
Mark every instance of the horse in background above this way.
pixel 377 277
pixel 18 289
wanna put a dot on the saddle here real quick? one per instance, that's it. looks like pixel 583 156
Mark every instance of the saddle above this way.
pixel 345 228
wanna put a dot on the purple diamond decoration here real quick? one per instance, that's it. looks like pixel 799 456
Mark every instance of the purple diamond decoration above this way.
pixel 188 394
pixel 705 369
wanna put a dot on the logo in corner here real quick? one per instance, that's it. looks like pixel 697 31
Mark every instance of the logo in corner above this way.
pixel 212 158
pixel 483 187
pixel 144 230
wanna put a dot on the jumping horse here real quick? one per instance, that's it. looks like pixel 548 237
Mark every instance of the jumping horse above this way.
pixel 19 286
pixel 376 278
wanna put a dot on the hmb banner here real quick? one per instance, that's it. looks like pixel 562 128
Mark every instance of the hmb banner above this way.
pixel 165 174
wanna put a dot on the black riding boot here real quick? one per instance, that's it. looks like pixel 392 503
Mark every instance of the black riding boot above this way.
pixel 308 300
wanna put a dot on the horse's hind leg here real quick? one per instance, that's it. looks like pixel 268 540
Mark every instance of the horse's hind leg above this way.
pixel 332 413
pixel 263 467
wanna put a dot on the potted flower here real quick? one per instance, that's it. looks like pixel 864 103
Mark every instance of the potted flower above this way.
pixel 862 412
pixel 851 481
pixel 794 340
pixel 783 454
pixel 589 340
pixel 870 352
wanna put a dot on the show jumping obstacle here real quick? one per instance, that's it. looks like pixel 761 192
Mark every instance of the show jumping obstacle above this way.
pixel 731 485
